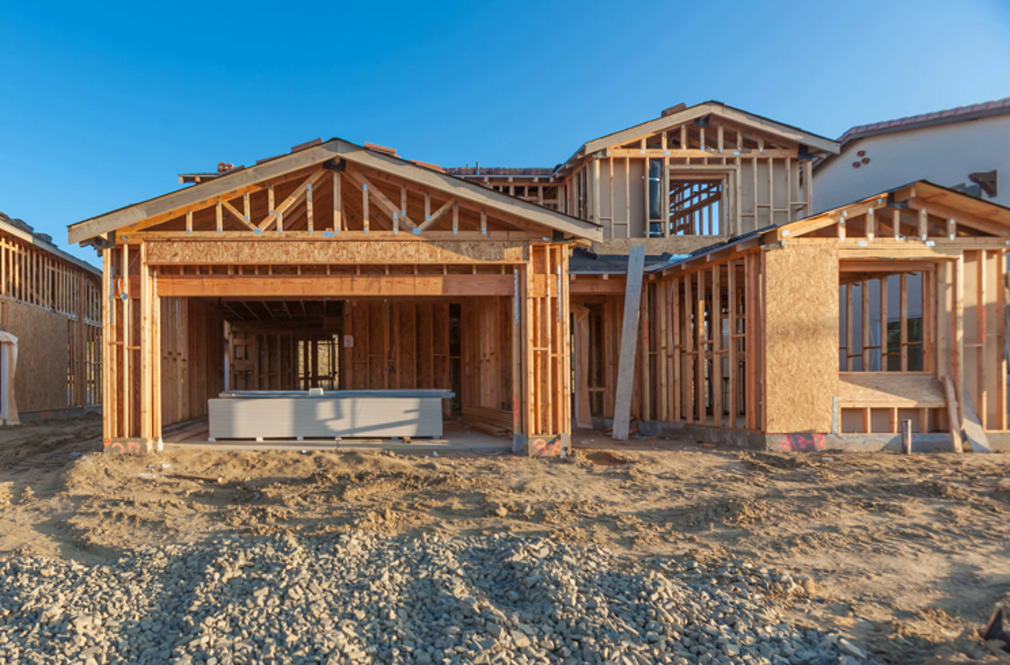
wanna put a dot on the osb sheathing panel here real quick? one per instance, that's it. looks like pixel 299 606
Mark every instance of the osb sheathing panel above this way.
pixel 801 337
pixel 893 389
pixel 40 383
pixel 671 245
pixel 261 252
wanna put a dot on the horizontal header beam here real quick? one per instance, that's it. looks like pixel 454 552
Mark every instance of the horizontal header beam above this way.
pixel 331 286
pixel 328 252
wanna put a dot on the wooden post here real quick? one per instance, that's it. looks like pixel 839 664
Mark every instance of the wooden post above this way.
pixel 80 365
pixel 127 338
pixel 676 388
pixel 145 348
pixel 338 220
pixel 700 343
pixel 733 405
pixel 883 324
pixel 717 349
pixel 645 368
pixel 629 336
pixel 155 336
pixel 957 336
pixel 520 387
pixel 108 403
pixel 662 349
pixel 689 349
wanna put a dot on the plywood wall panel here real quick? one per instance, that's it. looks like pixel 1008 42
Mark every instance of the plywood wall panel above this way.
pixel 800 337
pixel 41 380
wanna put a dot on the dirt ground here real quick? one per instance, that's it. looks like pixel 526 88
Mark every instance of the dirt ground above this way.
pixel 907 554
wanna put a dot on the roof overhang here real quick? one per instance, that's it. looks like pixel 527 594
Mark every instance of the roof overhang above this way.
pixel 88 229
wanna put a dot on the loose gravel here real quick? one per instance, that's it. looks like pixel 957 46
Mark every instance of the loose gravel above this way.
pixel 360 598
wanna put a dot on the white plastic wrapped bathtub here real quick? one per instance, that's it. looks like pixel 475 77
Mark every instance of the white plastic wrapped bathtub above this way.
pixel 269 414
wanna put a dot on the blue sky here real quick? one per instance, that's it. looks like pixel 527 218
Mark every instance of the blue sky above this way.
pixel 105 103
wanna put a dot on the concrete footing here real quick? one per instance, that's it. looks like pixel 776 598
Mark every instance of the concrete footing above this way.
pixel 803 441
pixel 542 445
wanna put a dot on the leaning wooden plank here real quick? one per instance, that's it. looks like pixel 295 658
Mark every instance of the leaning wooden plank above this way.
pixel 955 425
pixel 973 431
pixel 629 335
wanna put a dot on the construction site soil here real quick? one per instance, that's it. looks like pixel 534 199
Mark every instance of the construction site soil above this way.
pixel 904 554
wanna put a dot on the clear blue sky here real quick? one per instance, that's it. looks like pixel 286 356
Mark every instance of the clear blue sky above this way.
pixel 104 104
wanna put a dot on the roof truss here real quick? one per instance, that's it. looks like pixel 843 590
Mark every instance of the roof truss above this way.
pixel 725 115
pixel 284 193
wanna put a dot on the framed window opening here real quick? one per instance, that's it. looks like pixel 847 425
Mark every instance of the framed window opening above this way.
pixel 885 320
pixel 698 204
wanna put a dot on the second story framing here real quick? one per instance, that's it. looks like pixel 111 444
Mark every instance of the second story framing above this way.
pixel 681 181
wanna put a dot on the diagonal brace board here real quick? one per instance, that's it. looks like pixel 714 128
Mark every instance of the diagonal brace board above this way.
pixel 972 425
pixel 294 199
pixel 955 425
pixel 239 216
pixel 379 198
pixel 435 216
pixel 629 338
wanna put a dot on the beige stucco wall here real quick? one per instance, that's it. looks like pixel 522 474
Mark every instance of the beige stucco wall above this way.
pixel 943 154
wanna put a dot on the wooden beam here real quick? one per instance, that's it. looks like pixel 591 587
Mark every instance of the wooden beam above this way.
pixel 320 251
pixel 268 287
pixel 629 338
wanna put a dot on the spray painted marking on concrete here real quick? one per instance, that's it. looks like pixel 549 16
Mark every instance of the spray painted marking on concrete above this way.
pixel 546 446
pixel 802 442
pixel 121 447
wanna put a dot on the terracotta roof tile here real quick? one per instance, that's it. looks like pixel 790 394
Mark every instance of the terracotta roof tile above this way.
pixel 911 122
pixel 465 171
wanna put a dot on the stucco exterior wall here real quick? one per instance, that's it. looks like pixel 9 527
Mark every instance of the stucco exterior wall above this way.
pixel 943 154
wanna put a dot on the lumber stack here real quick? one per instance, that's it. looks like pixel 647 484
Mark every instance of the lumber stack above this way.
pixel 488 419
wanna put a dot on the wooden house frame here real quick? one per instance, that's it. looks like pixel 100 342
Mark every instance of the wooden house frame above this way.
pixel 50 302
pixel 344 266
pixel 336 246
pixel 787 330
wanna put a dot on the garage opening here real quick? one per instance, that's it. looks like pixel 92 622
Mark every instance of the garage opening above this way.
pixel 457 351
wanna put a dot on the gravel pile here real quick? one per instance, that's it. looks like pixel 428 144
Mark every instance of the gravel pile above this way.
pixel 358 598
